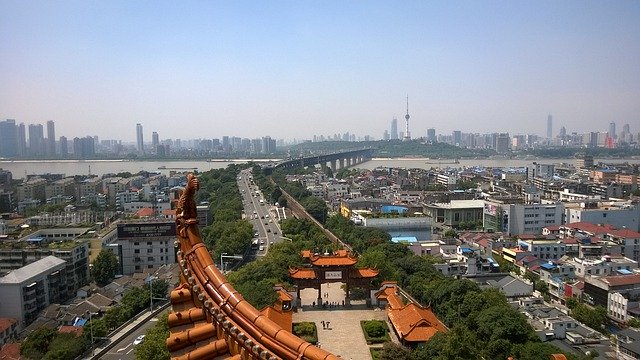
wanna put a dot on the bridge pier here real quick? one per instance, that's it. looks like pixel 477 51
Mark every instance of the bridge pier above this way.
pixel 341 163
pixel 333 166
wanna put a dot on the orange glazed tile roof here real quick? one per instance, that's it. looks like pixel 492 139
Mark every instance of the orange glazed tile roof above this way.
pixel 414 323
pixel 389 294
pixel 337 258
pixel 364 273
pixel 283 318
pixel 284 296
pixel 302 273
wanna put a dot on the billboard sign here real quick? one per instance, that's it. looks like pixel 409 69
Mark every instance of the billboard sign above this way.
pixel 146 230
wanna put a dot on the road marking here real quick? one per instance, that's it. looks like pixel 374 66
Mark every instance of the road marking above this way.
pixel 129 351
pixel 124 348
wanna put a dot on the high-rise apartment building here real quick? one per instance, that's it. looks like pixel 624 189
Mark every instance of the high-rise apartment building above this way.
pixel 549 127
pixel 8 139
pixel 456 138
pixel 155 140
pixel 22 140
pixel 64 147
pixel 139 138
pixel 394 129
pixel 431 134
pixel 612 130
pixel 84 148
pixel 51 139
pixel 36 140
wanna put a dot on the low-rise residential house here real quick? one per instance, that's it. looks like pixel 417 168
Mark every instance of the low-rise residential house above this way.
pixel 601 291
pixel 456 212
pixel 628 344
pixel 545 248
pixel 605 266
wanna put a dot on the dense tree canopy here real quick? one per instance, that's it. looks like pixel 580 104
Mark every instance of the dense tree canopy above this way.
pixel 105 267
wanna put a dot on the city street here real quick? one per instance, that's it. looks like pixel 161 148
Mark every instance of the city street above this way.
pixel 124 349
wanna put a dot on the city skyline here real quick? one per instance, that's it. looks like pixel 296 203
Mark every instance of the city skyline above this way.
pixel 294 70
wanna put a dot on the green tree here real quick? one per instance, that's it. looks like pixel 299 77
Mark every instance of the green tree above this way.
pixel 316 207
pixel 66 346
pixel 392 351
pixel 375 329
pixel 105 267
pixel 37 343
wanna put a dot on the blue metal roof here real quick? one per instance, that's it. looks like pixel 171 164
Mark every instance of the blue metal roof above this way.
pixel 624 272
pixel 548 266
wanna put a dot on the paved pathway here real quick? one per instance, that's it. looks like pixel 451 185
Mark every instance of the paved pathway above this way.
pixel 344 337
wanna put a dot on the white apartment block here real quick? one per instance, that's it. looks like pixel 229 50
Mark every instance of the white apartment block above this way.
pixel 24 292
pixel 145 245
pixel 619 214
pixel 529 218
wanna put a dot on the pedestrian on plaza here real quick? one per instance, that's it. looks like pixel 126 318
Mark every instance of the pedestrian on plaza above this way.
pixel 328 322
pixel 323 324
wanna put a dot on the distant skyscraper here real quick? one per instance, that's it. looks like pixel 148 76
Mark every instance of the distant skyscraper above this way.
pixel 407 135
pixel 563 132
pixel 456 138
pixel 8 139
pixel 394 129
pixel 612 130
pixel 139 138
pixel 385 136
pixel 22 140
pixel 431 134
pixel 36 140
pixel 51 138
pixel 549 127
pixel 155 139
pixel 64 147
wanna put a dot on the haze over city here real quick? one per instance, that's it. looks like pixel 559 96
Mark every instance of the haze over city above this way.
pixel 293 70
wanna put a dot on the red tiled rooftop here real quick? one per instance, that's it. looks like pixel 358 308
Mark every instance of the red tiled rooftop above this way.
pixel 590 227
pixel 5 323
pixel 625 233
pixel 10 351
pixel 620 280
pixel 77 330
pixel 145 212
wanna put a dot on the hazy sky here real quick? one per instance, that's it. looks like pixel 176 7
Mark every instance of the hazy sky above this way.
pixel 292 69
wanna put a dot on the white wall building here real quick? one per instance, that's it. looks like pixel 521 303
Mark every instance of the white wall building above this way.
pixel 145 245
pixel 26 291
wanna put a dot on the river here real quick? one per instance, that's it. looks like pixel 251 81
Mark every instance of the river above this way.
pixel 20 168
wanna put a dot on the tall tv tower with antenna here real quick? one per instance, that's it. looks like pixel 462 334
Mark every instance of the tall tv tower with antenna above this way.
pixel 407 135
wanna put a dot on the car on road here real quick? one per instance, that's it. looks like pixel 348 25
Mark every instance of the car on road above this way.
pixel 261 248
pixel 138 340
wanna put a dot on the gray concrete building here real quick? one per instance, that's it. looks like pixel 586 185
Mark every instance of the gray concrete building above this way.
pixel 144 245
pixel 26 291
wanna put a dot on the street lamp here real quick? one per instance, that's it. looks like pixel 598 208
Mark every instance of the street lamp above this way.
pixel 221 262
pixel 91 330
